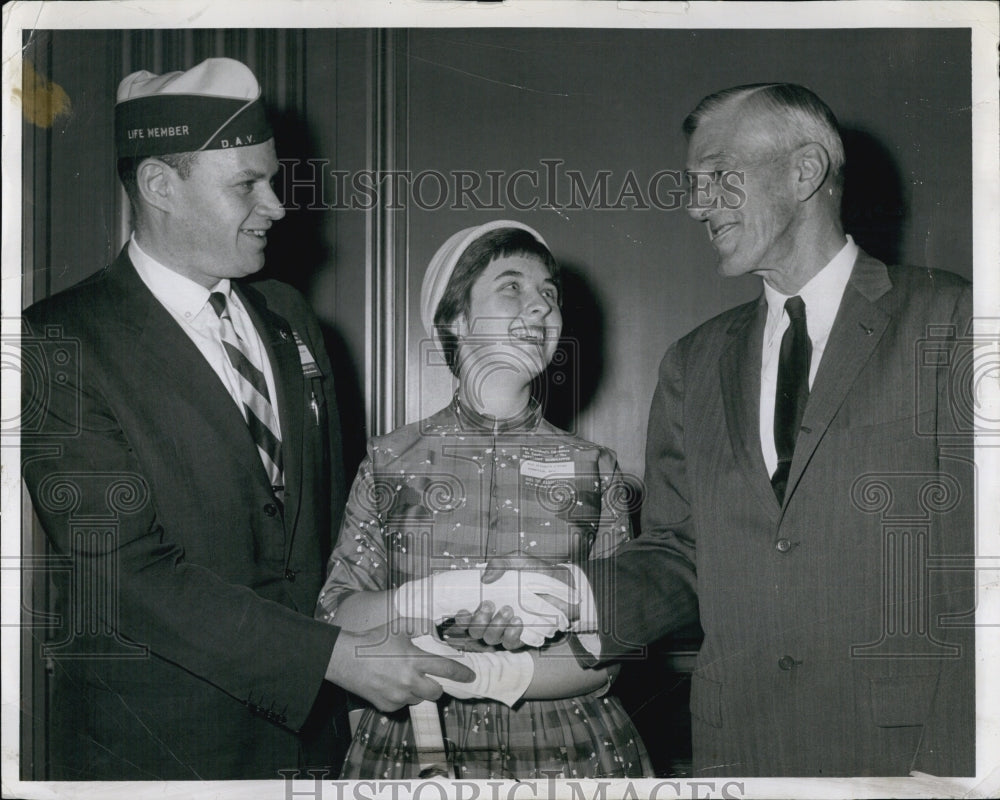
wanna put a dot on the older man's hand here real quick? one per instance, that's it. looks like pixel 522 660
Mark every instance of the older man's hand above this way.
pixel 502 626
pixel 508 594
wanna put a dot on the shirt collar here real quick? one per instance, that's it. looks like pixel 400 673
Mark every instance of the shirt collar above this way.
pixel 176 292
pixel 823 292
pixel 470 419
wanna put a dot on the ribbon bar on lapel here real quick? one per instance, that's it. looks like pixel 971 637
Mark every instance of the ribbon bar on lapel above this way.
pixel 310 368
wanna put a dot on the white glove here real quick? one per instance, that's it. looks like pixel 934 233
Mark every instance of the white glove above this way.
pixel 500 675
pixel 442 595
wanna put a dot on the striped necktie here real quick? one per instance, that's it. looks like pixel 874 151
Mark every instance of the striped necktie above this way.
pixel 792 392
pixel 254 396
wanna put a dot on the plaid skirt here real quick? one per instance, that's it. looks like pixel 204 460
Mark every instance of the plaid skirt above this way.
pixel 589 736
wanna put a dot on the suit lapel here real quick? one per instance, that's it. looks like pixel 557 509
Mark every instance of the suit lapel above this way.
pixel 283 353
pixel 166 354
pixel 739 370
pixel 856 332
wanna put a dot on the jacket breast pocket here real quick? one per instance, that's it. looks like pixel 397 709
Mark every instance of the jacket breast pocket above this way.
pixel 902 700
pixel 882 432
pixel 706 700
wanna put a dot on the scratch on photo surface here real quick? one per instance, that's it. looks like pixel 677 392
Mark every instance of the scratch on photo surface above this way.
pixel 31 36
pixel 40 642
pixel 627 235
pixel 152 736
pixel 478 45
pixel 488 80
pixel 722 766
pixel 657 695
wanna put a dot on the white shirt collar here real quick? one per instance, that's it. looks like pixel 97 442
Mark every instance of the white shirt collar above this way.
pixel 177 293
pixel 823 292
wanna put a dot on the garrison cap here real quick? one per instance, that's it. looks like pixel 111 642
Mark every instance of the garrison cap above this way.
pixel 212 106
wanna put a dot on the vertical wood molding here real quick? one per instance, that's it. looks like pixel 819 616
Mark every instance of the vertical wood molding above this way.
pixel 386 284
pixel 35 183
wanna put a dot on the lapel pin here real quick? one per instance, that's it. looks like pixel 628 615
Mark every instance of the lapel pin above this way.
pixel 868 331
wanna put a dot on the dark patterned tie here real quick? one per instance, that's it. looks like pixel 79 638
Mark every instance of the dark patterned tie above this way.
pixel 793 391
pixel 256 400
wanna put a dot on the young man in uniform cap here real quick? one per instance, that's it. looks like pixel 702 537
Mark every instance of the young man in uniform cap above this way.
pixel 198 485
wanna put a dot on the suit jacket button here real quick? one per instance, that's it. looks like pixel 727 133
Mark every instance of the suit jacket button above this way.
pixel 290 575
pixel 271 510
pixel 782 545
pixel 787 663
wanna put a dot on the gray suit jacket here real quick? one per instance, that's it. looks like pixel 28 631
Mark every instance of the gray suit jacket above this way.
pixel 838 636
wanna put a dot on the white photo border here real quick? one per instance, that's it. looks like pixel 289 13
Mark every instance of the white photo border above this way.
pixel 981 18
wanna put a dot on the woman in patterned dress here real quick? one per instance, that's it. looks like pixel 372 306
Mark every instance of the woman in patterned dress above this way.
pixel 486 476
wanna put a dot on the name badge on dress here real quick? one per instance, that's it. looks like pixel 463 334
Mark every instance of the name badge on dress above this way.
pixel 542 465
pixel 543 470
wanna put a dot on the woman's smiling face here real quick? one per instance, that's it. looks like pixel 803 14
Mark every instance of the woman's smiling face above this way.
pixel 513 319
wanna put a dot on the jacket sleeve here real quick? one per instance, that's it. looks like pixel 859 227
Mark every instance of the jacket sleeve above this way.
pixel 101 514
pixel 647 589
pixel 948 745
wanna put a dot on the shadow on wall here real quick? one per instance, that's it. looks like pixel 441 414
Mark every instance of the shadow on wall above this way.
pixel 874 207
pixel 570 383
pixel 297 249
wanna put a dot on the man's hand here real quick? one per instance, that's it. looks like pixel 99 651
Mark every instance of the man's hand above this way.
pixel 493 627
pixel 384 667
pixel 441 596
pixel 503 627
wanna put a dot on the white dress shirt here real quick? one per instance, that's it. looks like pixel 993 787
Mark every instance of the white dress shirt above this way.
pixel 187 302
pixel 822 297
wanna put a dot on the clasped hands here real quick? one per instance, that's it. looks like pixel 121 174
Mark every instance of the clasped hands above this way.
pixel 535 601
pixel 522 600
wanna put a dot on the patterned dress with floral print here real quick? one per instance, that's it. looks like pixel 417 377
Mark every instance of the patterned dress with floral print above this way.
pixel 449 492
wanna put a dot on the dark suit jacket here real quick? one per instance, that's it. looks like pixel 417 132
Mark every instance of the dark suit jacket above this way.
pixel 827 650
pixel 189 649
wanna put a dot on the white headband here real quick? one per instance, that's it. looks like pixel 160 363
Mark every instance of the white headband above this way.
pixel 443 264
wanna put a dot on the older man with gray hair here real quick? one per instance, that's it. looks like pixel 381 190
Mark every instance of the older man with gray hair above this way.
pixel 805 461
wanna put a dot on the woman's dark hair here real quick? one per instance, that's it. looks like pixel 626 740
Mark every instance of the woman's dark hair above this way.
pixel 500 243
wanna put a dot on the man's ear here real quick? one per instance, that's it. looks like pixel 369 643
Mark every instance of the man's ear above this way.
pixel 156 183
pixel 811 167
